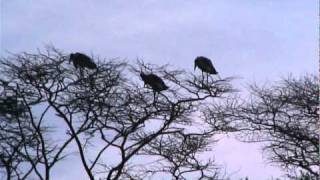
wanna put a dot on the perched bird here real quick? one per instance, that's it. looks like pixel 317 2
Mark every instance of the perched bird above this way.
pixel 82 61
pixel 205 65
pixel 154 81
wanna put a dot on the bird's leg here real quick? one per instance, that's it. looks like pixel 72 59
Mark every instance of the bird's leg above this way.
pixel 202 77
pixel 81 73
pixel 92 82
pixel 207 78
pixel 154 97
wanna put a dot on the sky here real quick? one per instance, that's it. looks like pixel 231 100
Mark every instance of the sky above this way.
pixel 255 40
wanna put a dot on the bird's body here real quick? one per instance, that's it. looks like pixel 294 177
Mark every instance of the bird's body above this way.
pixel 82 61
pixel 154 81
pixel 205 65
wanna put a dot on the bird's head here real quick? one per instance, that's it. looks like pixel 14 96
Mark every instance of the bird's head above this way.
pixel 196 62
pixel 143 75
pixel 71 57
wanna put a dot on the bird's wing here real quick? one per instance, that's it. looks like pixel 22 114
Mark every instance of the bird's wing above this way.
pixel 83 56
pixel 156 78
pixel 208 62
pixel 210 66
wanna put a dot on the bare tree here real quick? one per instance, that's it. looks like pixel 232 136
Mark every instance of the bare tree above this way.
pixel 284 116
pixel 120 129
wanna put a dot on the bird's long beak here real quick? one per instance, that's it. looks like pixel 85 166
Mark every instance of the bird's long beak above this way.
pixel 195 66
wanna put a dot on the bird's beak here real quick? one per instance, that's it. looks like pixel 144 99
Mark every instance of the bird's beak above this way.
pixel 195 66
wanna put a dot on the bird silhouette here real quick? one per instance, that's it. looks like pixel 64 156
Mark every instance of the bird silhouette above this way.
pixel 205 65
pixel 82 61
pixel 154 81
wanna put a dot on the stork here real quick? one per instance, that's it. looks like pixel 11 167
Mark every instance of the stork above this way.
pixel 205 65
pixel 82 61
pixel 154 81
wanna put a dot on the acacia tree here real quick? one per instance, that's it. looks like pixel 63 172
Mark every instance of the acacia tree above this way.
pixel 119 128
pixel 284 116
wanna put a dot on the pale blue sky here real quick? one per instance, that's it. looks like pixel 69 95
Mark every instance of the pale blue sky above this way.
pixel 254 39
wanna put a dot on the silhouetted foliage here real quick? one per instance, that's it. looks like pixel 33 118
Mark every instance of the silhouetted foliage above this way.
pixel 120 130
pixel 283 116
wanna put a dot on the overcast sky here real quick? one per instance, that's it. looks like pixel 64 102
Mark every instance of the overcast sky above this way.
pixel 257 40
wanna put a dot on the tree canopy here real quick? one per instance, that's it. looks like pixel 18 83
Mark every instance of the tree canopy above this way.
pixel 283 116
pixel 119 128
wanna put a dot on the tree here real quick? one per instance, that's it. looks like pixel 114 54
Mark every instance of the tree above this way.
pixel 111 118
pixel 284 116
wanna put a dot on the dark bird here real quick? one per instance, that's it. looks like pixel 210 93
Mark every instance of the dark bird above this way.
pixel 82 61
pixel 154 81
pixel 205 65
